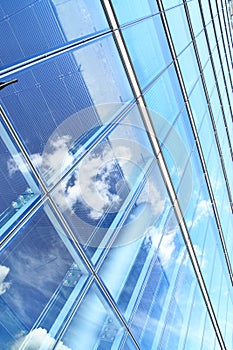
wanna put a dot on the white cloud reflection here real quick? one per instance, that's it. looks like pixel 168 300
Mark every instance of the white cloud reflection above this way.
pixel 37 339
pixel 4 271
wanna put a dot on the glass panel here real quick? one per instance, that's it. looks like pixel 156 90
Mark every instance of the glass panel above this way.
pixel 198 103
pixel 66 101
pixel 95 197
pixel 209 77
pixel 18 187
pixel 29 28
pixel 148 48
pixel 179 28
pixel 127 11
pixel 129 345
pixel 186 60
pixel 206 11
pixel 94 325
pixel 202 47
pixel 41 276
pixel 195 14
pixel 211 36
pixel 178 158
pixel 164 101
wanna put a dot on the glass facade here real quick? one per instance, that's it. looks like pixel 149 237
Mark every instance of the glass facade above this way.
pixel 116 148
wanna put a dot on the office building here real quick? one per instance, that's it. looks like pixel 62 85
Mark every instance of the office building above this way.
pixel 116 176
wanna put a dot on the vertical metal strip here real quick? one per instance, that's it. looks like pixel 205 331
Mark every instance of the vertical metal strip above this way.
pixel 148 124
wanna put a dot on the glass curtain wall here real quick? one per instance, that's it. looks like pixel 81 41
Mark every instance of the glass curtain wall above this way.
pixel 116 175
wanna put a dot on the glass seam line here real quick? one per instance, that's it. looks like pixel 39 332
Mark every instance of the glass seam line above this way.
pixel 216 83
pixel 91 269
pixel 226 22
pixel 229 25
pixel 220 26
pixel 50 54
pixel 225 46
pixel 203 161
pixel 147 121
pixel 209 102
pixel 220 58
pixel 204 290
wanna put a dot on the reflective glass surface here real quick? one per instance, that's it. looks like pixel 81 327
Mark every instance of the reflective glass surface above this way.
pixel 34 27
pixel 94 324
pixel 18 187
pixel 61 100
pixel 129 12
pixel 179 27
pixel 97 195
pixel 164 101
pixel 186 60
pixel 148 48
pixel 41 276
pixel 116 175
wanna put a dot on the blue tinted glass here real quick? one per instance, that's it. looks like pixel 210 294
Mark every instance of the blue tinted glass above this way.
pixel 164 101
pixel 28 28
pixel 202 48
pixel 195 14
pixel 66 100
pixel 129 11
pixel 96 196
pixel 211 35
pixel 187 59
pixel 148 48
pixel 209 77
pixel 42 275
pixel 206 11
pixel 17 185
pixel 179 28
pixel 198 103
pixel 178 158
pixel 94 325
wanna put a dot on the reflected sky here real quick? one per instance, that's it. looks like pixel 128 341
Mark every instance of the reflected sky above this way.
pixel 76 117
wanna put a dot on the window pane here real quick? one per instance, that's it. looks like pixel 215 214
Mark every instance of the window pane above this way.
pixel 95 197
pixel 17 186
pixel 42 275
pixel 148 48
pixel 127 11
pixel 179 28
pixel 94 325
pixel 29 28
pixel 62 99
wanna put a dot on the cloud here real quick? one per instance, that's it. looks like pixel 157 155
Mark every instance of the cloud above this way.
pixel 4 271
pixel 93 183
pixel 203 210
pixel 35 339
pixel 16 163
pixel 164 243
pixel 54 159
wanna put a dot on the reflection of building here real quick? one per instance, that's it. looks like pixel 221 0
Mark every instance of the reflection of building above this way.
pixel 116 148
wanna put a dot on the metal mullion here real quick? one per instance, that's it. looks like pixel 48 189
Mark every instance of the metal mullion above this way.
pixel 205 168
pixel 28 63
pixel 161 162
pixel 224 47
pixel 205 172
pixel 229 27
pixel 210 109
pixel 208 101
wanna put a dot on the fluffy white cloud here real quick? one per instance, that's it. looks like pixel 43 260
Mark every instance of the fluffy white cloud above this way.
pixel 164 243
pixel 35 339
pixel 204 209
pixel 16 163
pixel 3 274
